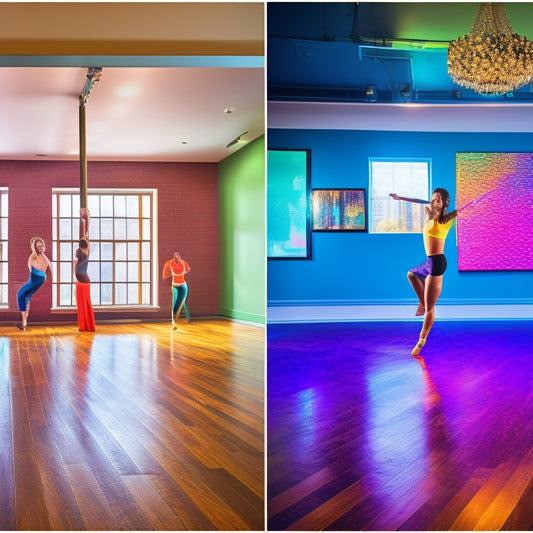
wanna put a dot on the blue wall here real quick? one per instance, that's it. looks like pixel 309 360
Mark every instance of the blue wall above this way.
pixel 364 268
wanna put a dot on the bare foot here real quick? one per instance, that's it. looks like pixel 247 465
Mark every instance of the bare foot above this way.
pixel 421 311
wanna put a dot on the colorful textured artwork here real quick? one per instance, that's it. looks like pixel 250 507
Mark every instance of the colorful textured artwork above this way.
pixel 339 210
pixel 495 228
pixel 288 216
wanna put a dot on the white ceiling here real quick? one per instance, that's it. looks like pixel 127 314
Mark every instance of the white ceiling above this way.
pixel 134 114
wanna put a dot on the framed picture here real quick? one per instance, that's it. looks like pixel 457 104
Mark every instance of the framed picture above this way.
pixel 494 195
pixel 288 206
pixel 339 210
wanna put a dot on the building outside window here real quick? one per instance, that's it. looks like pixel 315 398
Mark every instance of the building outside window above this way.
pixel 123 246
pixel 408 178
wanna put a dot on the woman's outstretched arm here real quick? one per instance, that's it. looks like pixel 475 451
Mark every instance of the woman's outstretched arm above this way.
pixel 394 196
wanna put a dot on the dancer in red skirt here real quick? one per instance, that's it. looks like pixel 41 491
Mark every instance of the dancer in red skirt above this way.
pixel 83 283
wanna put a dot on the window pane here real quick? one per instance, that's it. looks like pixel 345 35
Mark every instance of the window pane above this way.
pixel 120 294
pixel 65 229
pixel 133 251
pixel 93 271
pixel 120 228
pixel 106 271
pixel 66 271
pixel 106 291
pixel 94 252
pixel 3 274
pixel 3 228
pixel 133 271
pixel 147 297
pixel 146 230
pixel 132 206
pixel 106 249
pixel 133 229
pixel 106 206
pixel 65 297
pixel 120 206
pixel 65 250
pixel 120 271
pixel 76 205
pixel 146 203
pixel 65 206
pixel 93 204
pixel 95 293
pixel 145 251
pixel 94 229
pixel 75 228
pixel 133 294
pixel 106 228
pixel 4 204
pixel 146 271
pixel 120 251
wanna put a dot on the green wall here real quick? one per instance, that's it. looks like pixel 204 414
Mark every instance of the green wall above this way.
pixel 241 188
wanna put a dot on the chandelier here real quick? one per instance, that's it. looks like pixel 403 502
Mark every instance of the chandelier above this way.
pixel 491 59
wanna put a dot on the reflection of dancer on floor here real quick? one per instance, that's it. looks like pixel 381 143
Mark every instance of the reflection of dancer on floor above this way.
pixel 38 264
pixel 426 278
pixel 177 268
pixel 83 282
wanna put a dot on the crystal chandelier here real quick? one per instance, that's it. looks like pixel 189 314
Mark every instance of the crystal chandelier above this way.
pixel 491 59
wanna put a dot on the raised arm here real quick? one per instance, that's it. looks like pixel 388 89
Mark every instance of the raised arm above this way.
pixel 394 196
pixel 84 223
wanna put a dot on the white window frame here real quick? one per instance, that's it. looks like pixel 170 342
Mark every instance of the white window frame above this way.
pixel 409 216
pixel 4 256
pixel 65 240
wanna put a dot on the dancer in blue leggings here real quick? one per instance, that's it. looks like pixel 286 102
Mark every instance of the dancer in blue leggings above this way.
pixel 38 264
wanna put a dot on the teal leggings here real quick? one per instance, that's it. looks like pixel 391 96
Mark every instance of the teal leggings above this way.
pixel 179 295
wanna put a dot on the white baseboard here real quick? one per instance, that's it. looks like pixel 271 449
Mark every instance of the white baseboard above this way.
pixel 375 313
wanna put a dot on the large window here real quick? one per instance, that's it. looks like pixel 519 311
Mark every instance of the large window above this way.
pixel 122 246
pixel 410 179
pixel 3 245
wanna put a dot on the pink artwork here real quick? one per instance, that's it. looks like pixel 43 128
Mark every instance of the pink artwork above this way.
pixel 495 229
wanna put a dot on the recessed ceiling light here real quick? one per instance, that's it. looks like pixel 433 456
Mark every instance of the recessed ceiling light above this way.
pixel 229 110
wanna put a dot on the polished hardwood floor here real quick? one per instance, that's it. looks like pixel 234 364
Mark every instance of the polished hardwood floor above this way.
pixel 362 436
pixel 133 427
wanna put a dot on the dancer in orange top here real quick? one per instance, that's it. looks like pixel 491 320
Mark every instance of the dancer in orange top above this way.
pixel 176 268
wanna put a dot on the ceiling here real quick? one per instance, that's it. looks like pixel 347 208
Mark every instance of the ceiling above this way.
pixel 179 81
pixel 332 52
pixel 133 114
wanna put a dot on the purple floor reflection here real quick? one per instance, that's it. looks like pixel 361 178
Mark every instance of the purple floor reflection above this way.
pixel 363 436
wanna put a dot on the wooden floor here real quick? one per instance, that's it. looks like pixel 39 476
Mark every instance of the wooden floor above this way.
pixel 362 436
pixel 134 427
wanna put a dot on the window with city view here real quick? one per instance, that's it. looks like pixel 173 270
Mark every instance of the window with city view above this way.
pixel 405 178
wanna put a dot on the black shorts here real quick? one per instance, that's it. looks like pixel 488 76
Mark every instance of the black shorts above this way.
pixel 434 265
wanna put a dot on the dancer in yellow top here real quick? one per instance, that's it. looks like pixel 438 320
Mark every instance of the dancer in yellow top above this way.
pixel 426 279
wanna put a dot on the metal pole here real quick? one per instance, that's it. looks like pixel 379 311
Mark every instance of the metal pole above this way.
pixel 83 157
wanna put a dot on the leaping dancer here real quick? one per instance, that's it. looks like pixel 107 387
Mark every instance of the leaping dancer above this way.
pixel 426 279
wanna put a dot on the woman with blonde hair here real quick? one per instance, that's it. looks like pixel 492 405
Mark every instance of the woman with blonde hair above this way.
pixel 38 264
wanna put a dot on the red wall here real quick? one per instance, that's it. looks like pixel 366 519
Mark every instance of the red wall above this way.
pixel 187 219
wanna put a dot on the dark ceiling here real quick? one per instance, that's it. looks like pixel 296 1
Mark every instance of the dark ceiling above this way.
pixel 375 51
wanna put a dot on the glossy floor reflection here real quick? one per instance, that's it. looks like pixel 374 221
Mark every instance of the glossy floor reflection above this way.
pixel 363 436
pixel 134 427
